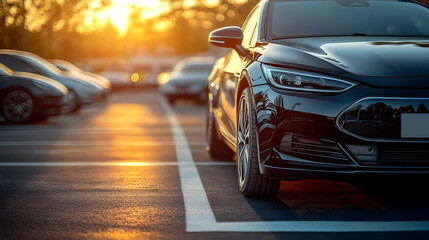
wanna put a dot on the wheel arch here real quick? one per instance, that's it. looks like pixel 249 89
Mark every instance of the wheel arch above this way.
pixel 243 83
pixel 4 92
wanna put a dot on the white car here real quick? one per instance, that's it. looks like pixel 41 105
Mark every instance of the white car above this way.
pixel 73 70
pixel 118 78
pixel 188 80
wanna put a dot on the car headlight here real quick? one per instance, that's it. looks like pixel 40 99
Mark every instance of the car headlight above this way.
pixel 163 78
pixel 292 79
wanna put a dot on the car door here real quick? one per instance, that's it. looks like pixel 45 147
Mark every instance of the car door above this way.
pixel 229 77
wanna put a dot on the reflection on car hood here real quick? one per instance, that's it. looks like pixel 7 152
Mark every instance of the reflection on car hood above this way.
pixel 83 77
pixel 101 79
pixel 42 79
pixel 364 56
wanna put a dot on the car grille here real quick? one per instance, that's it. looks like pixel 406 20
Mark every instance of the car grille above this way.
pixel 55 101
pixel 412 156
pixel 317 150
pixel 376 118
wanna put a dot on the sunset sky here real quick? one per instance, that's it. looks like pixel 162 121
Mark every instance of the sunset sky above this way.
pixel 119 11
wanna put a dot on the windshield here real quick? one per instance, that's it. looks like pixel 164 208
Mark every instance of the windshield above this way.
pixel 48 68
pixel 310 18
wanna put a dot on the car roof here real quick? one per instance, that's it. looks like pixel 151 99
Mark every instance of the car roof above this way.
pixel 16 53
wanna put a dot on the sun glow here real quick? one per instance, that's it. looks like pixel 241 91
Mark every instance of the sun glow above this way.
pixel 119 12
pixel 118 15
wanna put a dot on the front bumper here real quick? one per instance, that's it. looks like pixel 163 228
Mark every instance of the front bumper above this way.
pixel 91 97
pixel 305 135
pixel 50 106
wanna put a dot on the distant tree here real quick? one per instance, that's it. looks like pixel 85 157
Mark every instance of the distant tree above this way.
pixel 188 25
pixel 32 24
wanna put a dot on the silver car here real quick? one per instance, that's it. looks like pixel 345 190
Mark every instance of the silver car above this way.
pixel 188 80
pixel 80 91
pixel 74 71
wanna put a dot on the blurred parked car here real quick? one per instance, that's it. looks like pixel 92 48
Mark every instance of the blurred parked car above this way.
pixel 188 80
pixel 26 97
pixel 80 91
pixel 145 76
pixel 120 78
pixel 74 71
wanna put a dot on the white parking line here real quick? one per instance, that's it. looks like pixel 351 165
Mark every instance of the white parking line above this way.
pixel 85 131
pixel 200 216
pixel 92 143
pixel 197 207
pixel 108 164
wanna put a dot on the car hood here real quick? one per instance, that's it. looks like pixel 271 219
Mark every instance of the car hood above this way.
pixel 99 78
pixel 359 56
pixel 43 80
pixel 83 77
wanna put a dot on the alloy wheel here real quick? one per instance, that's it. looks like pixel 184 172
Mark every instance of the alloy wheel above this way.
pixel 17 106
pixel 243 146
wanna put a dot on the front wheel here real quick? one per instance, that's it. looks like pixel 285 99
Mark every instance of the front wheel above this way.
pixel 17 106
pixel 251 182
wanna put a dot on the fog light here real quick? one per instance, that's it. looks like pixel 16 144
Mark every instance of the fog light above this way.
pixel 366 154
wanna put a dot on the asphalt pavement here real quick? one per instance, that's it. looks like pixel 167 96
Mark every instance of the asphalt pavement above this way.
pixel 135 167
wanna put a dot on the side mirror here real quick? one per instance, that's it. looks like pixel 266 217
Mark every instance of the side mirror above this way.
pixel 229 37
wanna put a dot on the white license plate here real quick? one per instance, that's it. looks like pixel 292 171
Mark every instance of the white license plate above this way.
pixel 415 125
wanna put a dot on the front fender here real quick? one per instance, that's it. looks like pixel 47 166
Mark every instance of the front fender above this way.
pixel 251 76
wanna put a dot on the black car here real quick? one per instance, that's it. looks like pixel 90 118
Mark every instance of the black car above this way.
pixel 26 97
pixel 322 89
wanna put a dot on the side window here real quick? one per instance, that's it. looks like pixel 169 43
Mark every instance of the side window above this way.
pixel 16 64
pixel 250 26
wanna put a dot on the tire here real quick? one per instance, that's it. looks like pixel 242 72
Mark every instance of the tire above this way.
pixel 251 182
pixel 215 146
pixel 18 106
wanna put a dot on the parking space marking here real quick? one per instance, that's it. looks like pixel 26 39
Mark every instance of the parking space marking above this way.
pixel 200 216
pixel 112 164
pixel 197 207
pixel 93 143
pixel 85 131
